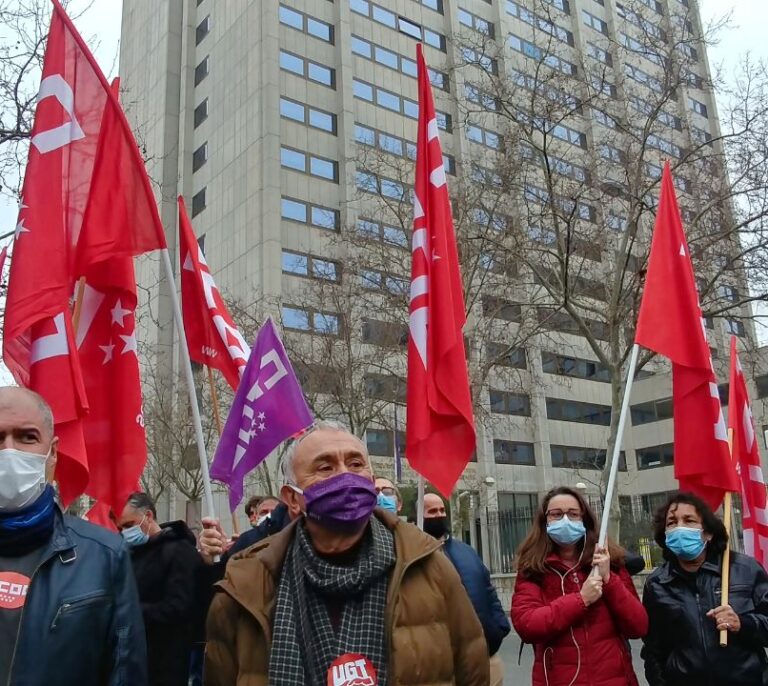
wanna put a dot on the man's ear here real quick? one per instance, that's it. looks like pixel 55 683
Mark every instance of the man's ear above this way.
pixel 293 500
pixel 50 463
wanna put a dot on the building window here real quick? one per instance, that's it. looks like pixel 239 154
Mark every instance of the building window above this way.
pixel 384 387
pixel 301 264
pixel 306 213
pixel 575 411
pixel 436 5
pixel 504 402
pixel 298 160
pixel 202 30
pixel 381 442
pixel 384 334
pixel 600 54
pixel 201 70
pixel 370 183
pixel 505 356
pixel 384 233
pixel 542 23
pixel 198 202
pixel 472 21
pixel 575 367
pixel 313 71
pixel 499 308
pixel 306 23
pixel 652 411
pixel 735 327
pixel 393 60
pixel 314 321
pixel 575 457
pixel 375 280
pixel 200 157
pixel 393 21
pixel 316 118
pixel 698 107
pixel 594 22
pixel 655 456
pixel 395 103
pixel 513 452
pixel 201 113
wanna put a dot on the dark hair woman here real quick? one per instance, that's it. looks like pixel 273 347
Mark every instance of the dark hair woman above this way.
pixel 577 620
pixel 682 598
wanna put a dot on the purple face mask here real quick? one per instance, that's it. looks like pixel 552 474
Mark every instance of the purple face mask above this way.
pixel 343 502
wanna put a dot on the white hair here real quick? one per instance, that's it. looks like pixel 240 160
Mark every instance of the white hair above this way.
pixel 288 472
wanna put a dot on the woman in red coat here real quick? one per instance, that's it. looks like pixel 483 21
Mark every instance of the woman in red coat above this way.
pixel 577 621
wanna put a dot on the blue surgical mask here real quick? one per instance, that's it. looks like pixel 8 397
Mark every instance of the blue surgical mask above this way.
pixel 387 502
pixel 685 542
pixel 566 532
pixel 134 536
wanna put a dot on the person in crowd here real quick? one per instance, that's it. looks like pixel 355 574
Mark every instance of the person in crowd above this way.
pixel 165 565
pixel 343 592
pixel 388 496
pixel 258 508
pixel 682 598
pixel 577 619
pixel 475 578
pixel 69 611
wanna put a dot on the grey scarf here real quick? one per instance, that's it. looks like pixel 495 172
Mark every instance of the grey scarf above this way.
pixel 304 641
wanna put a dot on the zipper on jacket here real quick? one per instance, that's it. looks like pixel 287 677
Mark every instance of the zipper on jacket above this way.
pixel 84 602
pixel 21 619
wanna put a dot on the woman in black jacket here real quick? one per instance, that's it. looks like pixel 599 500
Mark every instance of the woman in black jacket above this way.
pixel 682 598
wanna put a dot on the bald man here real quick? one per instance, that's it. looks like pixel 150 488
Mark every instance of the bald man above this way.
pixel 475 578
pixel 69 612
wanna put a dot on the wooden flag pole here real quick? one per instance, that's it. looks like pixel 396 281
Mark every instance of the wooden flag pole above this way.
pixel 420 504
pixel 726 573
pixel 217 419
pixel 78 304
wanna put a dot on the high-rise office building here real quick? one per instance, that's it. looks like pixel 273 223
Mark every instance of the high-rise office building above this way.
pixel 289 126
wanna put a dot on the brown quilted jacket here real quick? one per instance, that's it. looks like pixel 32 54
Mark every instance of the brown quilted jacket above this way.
pixel 434 635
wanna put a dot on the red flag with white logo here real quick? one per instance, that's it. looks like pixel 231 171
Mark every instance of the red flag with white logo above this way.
pixel 746 457
pixel 670 323
pixel 106 339
pixel 440 430
pixel 212 336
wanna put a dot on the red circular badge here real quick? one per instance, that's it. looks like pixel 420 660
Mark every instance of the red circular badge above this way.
pixel 352 669
pixel 13 590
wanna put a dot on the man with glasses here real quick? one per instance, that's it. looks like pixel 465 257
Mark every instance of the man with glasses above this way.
pixel 388 496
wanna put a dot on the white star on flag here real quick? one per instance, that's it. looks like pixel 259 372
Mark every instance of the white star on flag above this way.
pixel 262 426
pixel 118 313
pixel 261 415
pixel 20 229
pixel 130 344
pixel 107 350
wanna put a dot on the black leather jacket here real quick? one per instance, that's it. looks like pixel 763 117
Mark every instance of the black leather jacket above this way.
pixel 682 646
pixel 81 625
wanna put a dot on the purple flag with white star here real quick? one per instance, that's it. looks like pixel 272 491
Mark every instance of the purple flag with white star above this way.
pixel 268 408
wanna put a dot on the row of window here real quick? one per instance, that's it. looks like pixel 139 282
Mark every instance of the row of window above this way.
pixel 396 103
pixel 541 23
pixel 530 50
pixel 399 23
pixel 306 24
pixel 306 114
pixel 311 164
pixel 393 60
pixel 308 69
pixel 395 145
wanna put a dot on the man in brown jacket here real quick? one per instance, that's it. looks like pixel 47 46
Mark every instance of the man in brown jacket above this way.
pixel 344 595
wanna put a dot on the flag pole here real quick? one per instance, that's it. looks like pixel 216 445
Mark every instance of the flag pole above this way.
pixel 187 364
pixel 217 419
pixel 726 573
pixel 78 304
pixel 617 446
pixel 420 504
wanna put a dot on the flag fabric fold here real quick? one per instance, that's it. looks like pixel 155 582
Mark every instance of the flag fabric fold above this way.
pixel 440 428
pixel 269 407
pixel 670 323
pixel 746 458
pixel 212 336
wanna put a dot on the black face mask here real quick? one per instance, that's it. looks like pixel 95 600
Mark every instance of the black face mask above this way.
pixel 436 526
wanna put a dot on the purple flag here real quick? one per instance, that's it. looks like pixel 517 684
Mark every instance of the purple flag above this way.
pixel 268 408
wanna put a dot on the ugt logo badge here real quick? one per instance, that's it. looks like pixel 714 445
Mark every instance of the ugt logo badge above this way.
pixel 352 670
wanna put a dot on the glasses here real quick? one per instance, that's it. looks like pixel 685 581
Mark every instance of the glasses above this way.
pixel 558 514
pixel 386 490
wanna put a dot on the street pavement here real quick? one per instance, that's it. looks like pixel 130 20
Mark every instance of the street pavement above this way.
pixel 520 675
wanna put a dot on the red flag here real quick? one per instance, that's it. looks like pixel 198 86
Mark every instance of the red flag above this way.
pixel 746 457
pixel 440 433
pixel 670 323
pixel 106 339
pixel 212 336
pixel 38 342
pixel 3 256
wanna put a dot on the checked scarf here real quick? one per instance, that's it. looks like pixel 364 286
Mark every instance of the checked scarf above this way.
pixel 304 642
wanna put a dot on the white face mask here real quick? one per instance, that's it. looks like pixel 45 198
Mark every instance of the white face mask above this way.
pixel 262 519
pixel 22 478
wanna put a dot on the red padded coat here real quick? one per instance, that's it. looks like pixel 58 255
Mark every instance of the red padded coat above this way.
pixel 576 645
